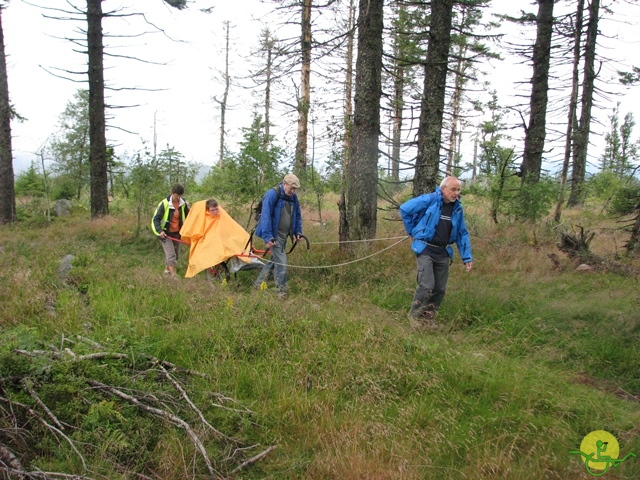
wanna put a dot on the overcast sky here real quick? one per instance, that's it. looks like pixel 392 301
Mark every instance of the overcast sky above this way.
pixel 186 116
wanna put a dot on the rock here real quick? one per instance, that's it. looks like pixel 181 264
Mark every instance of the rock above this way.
pixel 583 267
pixel 62 207
pixel 65 266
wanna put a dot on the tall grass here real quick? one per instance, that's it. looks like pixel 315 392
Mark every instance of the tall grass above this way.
pixel 529 359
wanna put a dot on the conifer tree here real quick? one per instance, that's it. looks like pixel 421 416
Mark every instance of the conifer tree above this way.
pixel 7 189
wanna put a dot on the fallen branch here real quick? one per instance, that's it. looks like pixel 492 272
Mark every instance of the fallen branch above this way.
pixel 186 398
pixel 38 353
pixel 166 415
pixel 171 366
pixel 19 473
pixel 27 384
pixel 55 430
pixel 237 410
pixel 100 355
pixel 254 459
pixel 94 344
pixel 8 458
pixel 167 405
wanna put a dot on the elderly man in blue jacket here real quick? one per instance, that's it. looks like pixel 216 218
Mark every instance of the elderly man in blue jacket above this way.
pixel 435 221
pixel 280 219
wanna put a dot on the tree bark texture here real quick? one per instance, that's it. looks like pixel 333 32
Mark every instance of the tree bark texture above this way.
pixel 433 98
pixel 7 189
pixel 97 128
pixel 398 101
pixel 572 121
pixel 343 227
pixel 536 130
pixel 362 170
pixel 581 135
pixel 397 115
pixel 267 91
pixel 456 103
pixel 304 102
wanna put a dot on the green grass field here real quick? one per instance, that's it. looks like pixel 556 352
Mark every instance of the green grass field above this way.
pixel 528 361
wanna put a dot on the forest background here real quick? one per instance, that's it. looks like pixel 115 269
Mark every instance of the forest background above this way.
pixel 190 78
pixel 424 145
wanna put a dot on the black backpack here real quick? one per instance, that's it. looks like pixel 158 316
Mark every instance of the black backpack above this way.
pixel 257 210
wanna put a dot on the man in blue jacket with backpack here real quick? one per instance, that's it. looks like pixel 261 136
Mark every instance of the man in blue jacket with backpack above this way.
pixel 435 221
pixel 280 219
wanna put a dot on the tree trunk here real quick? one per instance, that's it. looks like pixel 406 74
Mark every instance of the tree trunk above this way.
pixel 634 239
pixel 536 130
pixel 432 109
pixel 362 171
pixel 398 107
pixel 456 103
pixel 97 134
pixel 572 121
pixel 581 135
pixel 343 227
pixel 474 168
pixel 304 102
pixel 7 189
pixel 269 43
pixel 397 103
pixel 225 96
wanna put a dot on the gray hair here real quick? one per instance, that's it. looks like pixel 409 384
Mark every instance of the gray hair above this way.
pixel 445 180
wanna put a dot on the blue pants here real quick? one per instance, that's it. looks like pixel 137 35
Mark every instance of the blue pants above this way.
pixel 277 264
pixel 433 274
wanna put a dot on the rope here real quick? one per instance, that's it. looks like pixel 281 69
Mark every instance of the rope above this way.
pixel 355 241
pixel 251 255
pixel 176 240
pixel 334 265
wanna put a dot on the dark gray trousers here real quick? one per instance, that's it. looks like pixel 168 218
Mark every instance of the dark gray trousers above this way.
pixel 433 274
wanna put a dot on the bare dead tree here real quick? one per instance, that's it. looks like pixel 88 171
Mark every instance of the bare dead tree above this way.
pixel 530 168
pixel 362 171
pixel 572 120
pixel 222 103
pixel 7 188
pixel 433 98
pixel 581 134
pixel 343 233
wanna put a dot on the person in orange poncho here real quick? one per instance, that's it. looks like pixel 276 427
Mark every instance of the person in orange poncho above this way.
pixel 214 236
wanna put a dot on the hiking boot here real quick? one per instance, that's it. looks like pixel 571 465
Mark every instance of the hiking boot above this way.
pixel 415 322
pixel 428 316
pixel 423 322
pixel 430 325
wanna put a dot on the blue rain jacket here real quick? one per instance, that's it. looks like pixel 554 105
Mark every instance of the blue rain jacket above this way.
pixel 421 215
pixel 267 228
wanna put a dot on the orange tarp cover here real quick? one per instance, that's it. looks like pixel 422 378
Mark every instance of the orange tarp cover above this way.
pixel 213 239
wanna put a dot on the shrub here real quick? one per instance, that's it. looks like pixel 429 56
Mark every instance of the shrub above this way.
pixel 625 200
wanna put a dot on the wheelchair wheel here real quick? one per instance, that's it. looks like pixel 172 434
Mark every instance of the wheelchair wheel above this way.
pixel 218 273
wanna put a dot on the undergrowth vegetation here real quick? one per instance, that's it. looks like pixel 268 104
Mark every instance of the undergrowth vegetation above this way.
pixel 331 382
